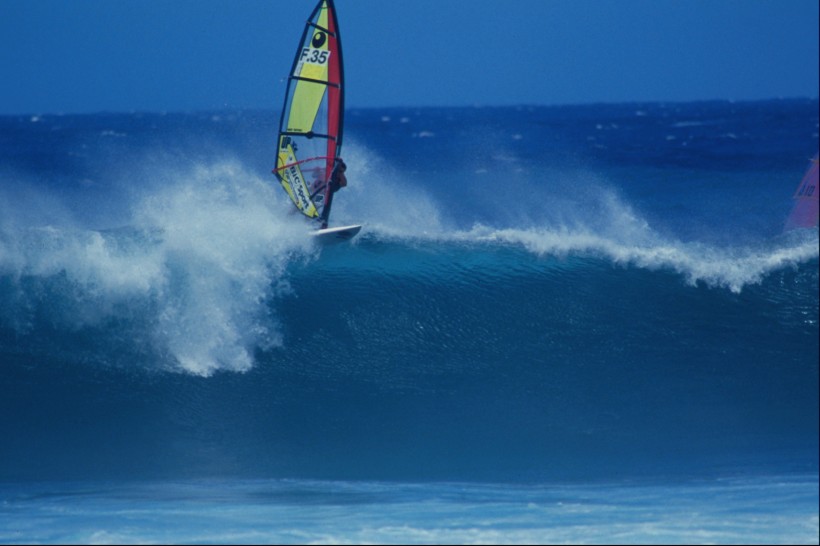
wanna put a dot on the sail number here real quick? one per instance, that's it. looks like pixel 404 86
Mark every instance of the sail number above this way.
pixel 314 56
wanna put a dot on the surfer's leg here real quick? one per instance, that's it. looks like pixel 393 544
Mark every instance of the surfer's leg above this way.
pixel 326 210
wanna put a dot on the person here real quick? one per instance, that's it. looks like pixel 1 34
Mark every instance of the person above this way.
pixel 338 180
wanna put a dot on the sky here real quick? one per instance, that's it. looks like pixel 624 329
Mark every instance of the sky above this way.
pixel 87 56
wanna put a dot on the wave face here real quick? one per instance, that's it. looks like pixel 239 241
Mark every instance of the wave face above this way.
pixel 570 293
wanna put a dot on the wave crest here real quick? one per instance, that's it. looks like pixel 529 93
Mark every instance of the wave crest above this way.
pixel 203 257
pixel 731 268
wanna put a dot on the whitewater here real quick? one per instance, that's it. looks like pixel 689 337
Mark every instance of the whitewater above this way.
pixel 578 323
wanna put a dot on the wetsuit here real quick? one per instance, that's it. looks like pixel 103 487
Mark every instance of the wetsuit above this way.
pixel 337 180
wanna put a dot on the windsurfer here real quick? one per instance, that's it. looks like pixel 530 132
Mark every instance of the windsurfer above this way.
pixel 337 181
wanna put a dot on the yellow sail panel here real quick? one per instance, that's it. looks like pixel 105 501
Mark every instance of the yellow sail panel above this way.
pixel 307 99
pixel 312 65
pixel 293 180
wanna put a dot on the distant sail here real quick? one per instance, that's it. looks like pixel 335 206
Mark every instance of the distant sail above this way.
pixel 804 214
pixel 310 130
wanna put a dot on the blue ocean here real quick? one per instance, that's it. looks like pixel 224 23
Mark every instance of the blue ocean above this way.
pixel 574 324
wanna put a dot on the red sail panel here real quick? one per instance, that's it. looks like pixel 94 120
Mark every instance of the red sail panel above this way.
pixel 335 98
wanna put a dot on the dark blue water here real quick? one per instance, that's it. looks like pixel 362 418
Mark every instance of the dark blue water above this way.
pixel 574 295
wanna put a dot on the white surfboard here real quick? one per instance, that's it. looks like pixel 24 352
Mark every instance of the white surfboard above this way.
pixel 336 234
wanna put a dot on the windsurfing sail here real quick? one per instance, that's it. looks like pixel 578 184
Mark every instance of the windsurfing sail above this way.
pixel 805 211
pixel 310 129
